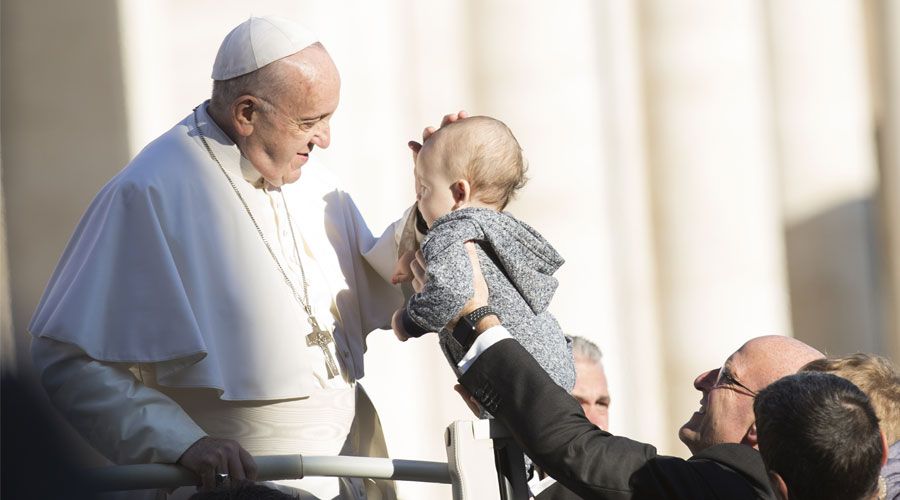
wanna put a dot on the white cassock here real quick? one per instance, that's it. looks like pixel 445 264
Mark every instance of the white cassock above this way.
pixel 167 318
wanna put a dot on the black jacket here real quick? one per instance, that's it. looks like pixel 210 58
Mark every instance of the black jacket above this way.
pixel 552 429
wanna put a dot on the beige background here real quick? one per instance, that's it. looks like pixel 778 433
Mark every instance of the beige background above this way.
pixel 711 170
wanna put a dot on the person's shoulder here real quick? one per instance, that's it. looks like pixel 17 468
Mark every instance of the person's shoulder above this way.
pixel 729 453
pixel 448 230
pixel 170 162
pixel 461 222
pixel 738 458
pixel 160 156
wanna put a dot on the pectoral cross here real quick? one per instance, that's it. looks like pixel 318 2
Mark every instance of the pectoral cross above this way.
pixel 322 338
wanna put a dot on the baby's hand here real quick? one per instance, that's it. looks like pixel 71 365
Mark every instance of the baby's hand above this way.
pixel 397 325
pixel 403 269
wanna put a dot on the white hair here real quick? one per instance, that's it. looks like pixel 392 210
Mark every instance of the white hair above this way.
pixel 586 349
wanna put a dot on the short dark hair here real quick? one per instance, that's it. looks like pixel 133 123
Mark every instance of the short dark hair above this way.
pixel 819 432
pixel 875 376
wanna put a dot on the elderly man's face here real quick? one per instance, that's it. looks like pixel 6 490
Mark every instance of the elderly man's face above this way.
pixel 297 119
pixel 726 405
pixel 591 391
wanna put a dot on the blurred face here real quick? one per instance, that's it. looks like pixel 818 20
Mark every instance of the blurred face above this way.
pixel 434 190
pixel 726 405
pixel 288 126
pixel 591 391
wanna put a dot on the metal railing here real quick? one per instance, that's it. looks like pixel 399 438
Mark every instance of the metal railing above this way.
pixel 507 459
pixel 270 468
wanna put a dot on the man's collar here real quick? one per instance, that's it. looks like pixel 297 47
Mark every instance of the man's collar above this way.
pixel 226 150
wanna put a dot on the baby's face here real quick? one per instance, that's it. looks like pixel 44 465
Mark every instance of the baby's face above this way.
pixel 433 186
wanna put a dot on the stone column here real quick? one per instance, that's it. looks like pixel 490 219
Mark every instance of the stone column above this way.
pixel 639 389
pixel 64 133
pixel 64 136
pixel 715 186
pixel 887 18
pixel 7 336
pixel 542 71
pixel 826 150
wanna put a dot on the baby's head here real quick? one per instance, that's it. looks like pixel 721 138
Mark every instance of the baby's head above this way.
pixel 474 162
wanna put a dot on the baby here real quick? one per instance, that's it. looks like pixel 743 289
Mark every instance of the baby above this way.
pixel 466 173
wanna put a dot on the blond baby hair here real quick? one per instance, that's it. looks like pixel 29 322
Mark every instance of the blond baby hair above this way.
pixel 484 151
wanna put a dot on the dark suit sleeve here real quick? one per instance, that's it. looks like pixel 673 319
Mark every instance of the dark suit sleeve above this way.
pixel 550 425
pixel 552 429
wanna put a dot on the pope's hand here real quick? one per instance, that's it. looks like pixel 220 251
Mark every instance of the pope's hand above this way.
pixel 209 456
pixel 410 267
pixel 417 266
pixel 448 119
pixel 403 269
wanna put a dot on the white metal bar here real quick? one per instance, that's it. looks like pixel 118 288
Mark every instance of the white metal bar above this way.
pixel 270 468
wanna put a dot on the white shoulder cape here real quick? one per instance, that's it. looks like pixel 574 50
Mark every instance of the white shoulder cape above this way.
pixel 165 267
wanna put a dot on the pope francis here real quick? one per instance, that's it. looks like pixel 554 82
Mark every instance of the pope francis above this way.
pixel 214 300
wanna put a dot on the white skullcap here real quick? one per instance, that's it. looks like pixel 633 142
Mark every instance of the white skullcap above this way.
pixel 257 42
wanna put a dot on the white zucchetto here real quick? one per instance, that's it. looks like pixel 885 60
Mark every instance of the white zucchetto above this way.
pixel 257 42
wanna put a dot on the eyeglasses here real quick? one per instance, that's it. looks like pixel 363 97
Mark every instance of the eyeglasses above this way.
pixel 726 381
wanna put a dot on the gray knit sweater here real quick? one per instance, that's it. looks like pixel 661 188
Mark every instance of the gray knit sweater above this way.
pixel 517 263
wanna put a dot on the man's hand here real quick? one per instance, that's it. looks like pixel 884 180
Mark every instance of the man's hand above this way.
pixel 209 456
pixel 448 119
pixel 469 399
pixel 480 296
pixel 397 325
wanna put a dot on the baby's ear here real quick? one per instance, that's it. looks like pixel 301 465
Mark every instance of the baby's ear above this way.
pixel 462 193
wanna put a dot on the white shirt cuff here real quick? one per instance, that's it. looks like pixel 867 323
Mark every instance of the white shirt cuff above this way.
pixel 482 342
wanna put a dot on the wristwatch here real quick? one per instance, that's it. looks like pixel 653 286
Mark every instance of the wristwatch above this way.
pixel 465 331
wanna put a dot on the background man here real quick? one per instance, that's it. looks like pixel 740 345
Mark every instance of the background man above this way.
pixel 214 300
pixel 880 381
pixel 819 438
pixel 591 389
pixel 554 432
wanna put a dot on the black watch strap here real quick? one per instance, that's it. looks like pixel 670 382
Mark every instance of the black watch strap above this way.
pixel 465 331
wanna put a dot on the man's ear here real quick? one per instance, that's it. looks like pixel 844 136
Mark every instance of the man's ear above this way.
pixel 245 114
pixel 778 485
pixel 462 193
pixel 750 437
